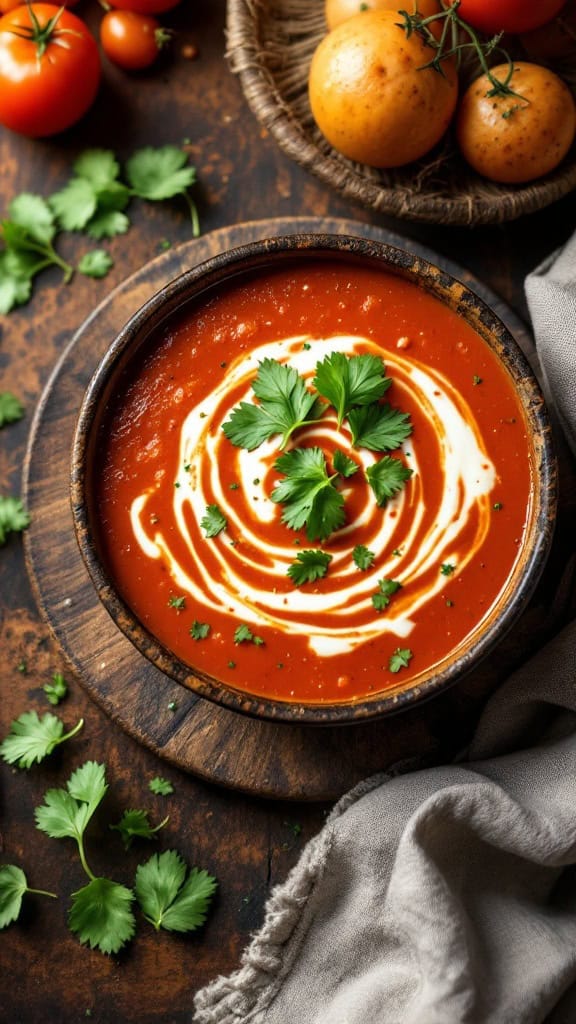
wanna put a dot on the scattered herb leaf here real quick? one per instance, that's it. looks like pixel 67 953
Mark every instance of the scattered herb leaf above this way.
pixel 11 409
pixel 400 659
pixel 57 689
pixel 101 915
pixel 243 634
pixel 13 516
pixel 96 263
pixel 379 428
pixel 13 886
pixel 199 630
pixel 381 599
pixel 170 900
pixel 310 565
pixel 447 568
pixel 214 521
pixel 160 786
pixel 179 603
pixel 387 477
pixel 31 738
pixel 363 557
pixel 134 824
pixel 308 493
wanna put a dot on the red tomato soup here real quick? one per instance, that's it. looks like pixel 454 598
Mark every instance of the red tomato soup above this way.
pixel 336 559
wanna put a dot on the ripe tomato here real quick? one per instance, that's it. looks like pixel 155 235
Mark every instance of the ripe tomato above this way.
pixel 49 69
pixel 144 6
pixel 130 40
pixel 514 16
pixel 337 11
pixel 521 137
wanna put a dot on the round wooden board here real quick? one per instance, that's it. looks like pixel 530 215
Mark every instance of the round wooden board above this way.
pixel 261 758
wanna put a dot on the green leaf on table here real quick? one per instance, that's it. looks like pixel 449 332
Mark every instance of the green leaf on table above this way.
pixel 96 263
pixel 15 287
pixel 98 166
pixel 160 786
pixel 107 224
pixel 170 900
pixel 31 738
pixel 13 886
pixel 65 813
pixel 348 381
pixel 310 565
pixel 13 516
pixel 74 204
pixel 33 214
pixel 379 428
pixel 308 493
pixel 134 824
pixel 285 404
pixel 387 477
pixel 57 689
pixel 101 915
pixel 11 409
pixel 159 173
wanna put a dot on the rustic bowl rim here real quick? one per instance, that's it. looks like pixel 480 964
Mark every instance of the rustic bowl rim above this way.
pixel 207 276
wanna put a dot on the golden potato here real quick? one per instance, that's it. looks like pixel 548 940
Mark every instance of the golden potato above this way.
pixel 337 11
pixel 370 95
pixel 513 140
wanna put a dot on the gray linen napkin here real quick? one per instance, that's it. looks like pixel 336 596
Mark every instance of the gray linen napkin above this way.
pixel 445 895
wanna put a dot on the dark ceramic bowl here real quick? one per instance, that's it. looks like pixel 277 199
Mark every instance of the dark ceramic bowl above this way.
pixel 201 282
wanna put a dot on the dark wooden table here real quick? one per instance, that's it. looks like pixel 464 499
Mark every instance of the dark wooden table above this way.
pixel 248 843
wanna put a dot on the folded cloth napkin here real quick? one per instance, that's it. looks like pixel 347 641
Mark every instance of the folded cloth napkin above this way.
pixel 444 895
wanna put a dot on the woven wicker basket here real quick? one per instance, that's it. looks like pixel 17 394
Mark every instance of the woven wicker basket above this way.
pixel 270 45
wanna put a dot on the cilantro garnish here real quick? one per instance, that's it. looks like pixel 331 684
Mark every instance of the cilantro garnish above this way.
pixel 386 588
pixel 379 428
pixel 179 603
pixel 447 568
pixel 348 381
pixel 387 477
pixel 160 786
pixel 11 409
pixel 243 634
pixel 101 915
pixel 285 404
pixel 13 886
pixel 27 236
pixel 400 659
pixel 163 173
pixel 214 521
pixel 57 689
pixel 363 557
pixel 343 464
pixel 134 824
pixel 308 493
pixel 31 738
pixel 170 900
pixel 199 630
pixel 13 516
pixel 310 565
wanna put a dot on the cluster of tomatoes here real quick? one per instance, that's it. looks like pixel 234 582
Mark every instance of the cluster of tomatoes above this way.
pixel 50 65
pixel 388 81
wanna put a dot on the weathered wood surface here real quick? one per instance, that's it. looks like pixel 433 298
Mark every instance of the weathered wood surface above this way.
pixel 249 843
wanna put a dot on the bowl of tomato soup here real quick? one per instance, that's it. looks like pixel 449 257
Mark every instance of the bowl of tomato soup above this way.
pixel 313 479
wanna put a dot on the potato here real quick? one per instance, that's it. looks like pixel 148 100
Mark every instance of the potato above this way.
pixel 372 98
pixel 510 139
pixel 337 11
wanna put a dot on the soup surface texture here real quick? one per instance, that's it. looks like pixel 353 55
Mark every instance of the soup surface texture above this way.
pixel 327 561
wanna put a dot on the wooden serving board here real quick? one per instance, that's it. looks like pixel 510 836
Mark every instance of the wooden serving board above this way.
pixel 261 758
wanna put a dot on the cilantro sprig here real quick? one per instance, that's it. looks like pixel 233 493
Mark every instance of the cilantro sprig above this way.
pixel 350 381
pixel 11 409
pixel 285 404
pixel 13 516
pixel 308 493
pixel 13 887
pixel 134 824
pixel 168 898
pixel 31 738
pixel 310 565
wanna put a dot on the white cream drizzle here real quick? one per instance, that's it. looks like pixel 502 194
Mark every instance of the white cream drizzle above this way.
pixel 468 475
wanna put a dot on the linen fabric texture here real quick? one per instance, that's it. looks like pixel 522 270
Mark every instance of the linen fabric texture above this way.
pixel 444 895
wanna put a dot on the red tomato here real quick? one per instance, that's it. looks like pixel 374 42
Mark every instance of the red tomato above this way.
pixel 514 16
pixel 131 40
pixel 49 69
pixel 144 6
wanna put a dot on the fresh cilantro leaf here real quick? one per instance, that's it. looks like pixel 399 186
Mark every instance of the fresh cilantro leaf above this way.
pixel 101 915
pixel 65 813
pixel 310 565
pixel 400 659
pixel 31 738
pixel 27 250
pixel 387 477
pixel 170 900
pixel 15 280
pixel 160 786
pixel 386 588
pixel 285 405
pixel 11 409
pixel 134 824
pixel 214 521
pixel 33 214
pixel 13 886
pixel 159 173
pixel 199 630
pixel 13 517
pixel 447 568
pixel 96 263
pixel 347 381
pixel 343 464
pixel 74 204
pixel 57 689
pixel 243 634
pixel 107 224
pixel 98 166
pixel 308 493
pixel 379 428
pixel 179 603
pixel 363 557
